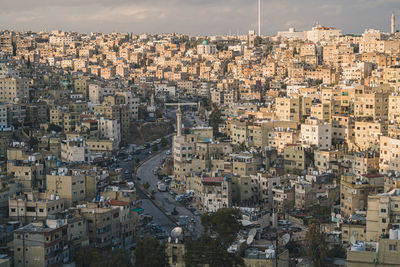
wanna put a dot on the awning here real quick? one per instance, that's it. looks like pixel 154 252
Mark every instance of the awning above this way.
pixel 138 210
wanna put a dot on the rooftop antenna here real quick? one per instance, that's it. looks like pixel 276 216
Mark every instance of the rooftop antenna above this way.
pixel 259 17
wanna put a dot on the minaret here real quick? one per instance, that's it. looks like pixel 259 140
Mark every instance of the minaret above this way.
pixel 152 101
pixel 179 121
pixel 392 28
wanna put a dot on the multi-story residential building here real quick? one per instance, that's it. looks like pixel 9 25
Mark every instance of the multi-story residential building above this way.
pixel 14 89
pixel 262 185
pixel 31 206
pixel 365 162
pixel 354 192
pixel 316 133
pixel 389 152
pixel 69 185
pixel 214 193
pixel 103 224
pixel 41 244
pixel 367 134
pixel 283 198
pixel 281 137
pixel 293 109
pixel 296 157
pixel 370 254
pixel 110 128
pixel 383 214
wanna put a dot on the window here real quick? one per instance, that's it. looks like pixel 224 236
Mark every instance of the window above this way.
pixel 392 247
pixel 30 209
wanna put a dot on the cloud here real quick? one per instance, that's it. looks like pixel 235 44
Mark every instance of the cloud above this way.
pixel 194 16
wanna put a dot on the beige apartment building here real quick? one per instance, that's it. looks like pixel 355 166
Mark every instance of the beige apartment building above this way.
pixel 354 192
pixel 342 129
pixel 373 104
pixel 31 206
pixel 293 109
pixel 38 244
pixel 367 134
pixel 383 214
pixel 295 157
pixel 382 254
pixel 394 109
pixel 389 156
pixel 281 137
pixel 68 185
pixel 14 90
pixel 283 198
pixel 365 162
pixel 103 224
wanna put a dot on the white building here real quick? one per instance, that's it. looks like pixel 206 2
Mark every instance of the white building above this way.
pixel 216 193
pixel 132 101
pixel 164 88
pixel 291 34
pixel 110 129
pixel 317 133
pixel 206 49
pixel 97 93
pixel 61 40
pixel 74 150
pixel 320 33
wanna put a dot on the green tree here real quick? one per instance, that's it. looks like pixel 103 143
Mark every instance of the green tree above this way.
pixel 258 41
pixel 174 212
pixel 155 147
pixel 316 245
pixel 33 142
pixel 215 119
pixel 220 230
pixel 150 253
pixel 146 185
pixel 220 46
pixel 293 247
pixel 53 127
pixel 337 252
pixel 93 257
pixel 163 142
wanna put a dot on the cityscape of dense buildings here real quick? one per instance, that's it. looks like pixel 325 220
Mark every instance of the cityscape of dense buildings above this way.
pixel 108 141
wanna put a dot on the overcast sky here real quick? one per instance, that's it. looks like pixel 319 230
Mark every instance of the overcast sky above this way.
pixel 204 17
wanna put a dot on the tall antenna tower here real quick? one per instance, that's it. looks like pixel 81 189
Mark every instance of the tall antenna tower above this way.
pixel 392 26
pixel 259 17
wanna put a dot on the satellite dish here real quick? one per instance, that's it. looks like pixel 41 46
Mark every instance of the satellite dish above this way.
pixel 250 240
pixel 176 232
pixel 253 232
pixel 284 239
pixel 352 240
pixel 251 236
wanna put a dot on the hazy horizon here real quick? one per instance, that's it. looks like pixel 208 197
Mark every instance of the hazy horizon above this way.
pixel 195 17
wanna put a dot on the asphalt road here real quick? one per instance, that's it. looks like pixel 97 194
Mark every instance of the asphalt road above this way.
pixel 145 173
pixel 149 208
